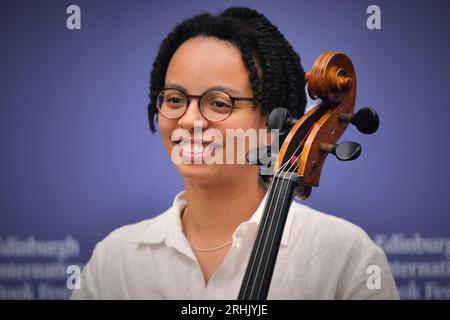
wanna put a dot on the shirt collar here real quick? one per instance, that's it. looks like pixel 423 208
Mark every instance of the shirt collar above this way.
pixel 168 224
pixel 162 226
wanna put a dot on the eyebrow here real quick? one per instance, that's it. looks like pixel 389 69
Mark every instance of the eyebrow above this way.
pixel 219 88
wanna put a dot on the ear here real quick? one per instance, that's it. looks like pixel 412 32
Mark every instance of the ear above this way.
pixel 264 124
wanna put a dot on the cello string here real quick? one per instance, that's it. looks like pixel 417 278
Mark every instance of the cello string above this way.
pixel 271 219
pixel 257 243
pixel 271 248
pixel 269 201
pixel 266 239
pixel 296 164
pixel 256 263
pixel 265 222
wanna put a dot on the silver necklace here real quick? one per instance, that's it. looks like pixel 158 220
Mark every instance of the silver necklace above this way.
pixel 206 249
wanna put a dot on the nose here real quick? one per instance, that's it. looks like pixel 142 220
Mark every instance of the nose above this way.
pixel 192 116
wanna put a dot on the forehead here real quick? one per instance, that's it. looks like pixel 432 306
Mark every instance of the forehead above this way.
pixel 204 62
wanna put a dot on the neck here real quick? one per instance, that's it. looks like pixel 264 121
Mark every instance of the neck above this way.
pixel 215 211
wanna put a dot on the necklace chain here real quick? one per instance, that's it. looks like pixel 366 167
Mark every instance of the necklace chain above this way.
pixel 206 249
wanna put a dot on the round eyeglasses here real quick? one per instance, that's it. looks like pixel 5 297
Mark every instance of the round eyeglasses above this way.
pixel 214 105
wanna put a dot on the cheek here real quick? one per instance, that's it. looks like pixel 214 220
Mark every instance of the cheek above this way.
pixel 166 126
pixel 246 123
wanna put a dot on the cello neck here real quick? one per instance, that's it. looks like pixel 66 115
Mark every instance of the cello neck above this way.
pixel 258 274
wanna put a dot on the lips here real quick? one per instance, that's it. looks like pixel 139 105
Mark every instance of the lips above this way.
pixel 196 150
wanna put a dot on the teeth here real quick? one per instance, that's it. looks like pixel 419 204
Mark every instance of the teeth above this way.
pixel 198 148
pixel 193 148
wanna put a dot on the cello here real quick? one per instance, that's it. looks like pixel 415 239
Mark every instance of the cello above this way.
pixel 306 143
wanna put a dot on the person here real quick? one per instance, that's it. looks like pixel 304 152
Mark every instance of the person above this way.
pixel 227 72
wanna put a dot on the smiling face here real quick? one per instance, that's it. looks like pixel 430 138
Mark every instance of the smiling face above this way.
pixel 201 64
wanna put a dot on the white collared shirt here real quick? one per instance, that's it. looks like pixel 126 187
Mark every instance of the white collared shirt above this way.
pixel 320 257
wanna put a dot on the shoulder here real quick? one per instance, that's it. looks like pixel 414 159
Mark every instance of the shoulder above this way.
pixel 327 230
pixel 137 232
pixel 332 246
pixel 153 230
pixel 117 252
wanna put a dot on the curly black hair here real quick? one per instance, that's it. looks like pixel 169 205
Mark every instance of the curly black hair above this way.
pixel 282 83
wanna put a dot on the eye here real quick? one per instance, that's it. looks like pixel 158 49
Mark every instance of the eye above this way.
pixel 220 104
pixel 173 100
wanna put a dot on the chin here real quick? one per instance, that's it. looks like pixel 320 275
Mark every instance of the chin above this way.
pixel 202 173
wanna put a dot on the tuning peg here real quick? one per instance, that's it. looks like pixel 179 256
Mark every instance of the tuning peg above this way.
pixel 259 156
pixel 366 120
pixel 344 151
pixel 281 119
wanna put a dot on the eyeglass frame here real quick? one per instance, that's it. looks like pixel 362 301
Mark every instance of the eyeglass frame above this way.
pixel 199 97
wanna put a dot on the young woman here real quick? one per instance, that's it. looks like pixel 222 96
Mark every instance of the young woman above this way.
pixel 218 73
